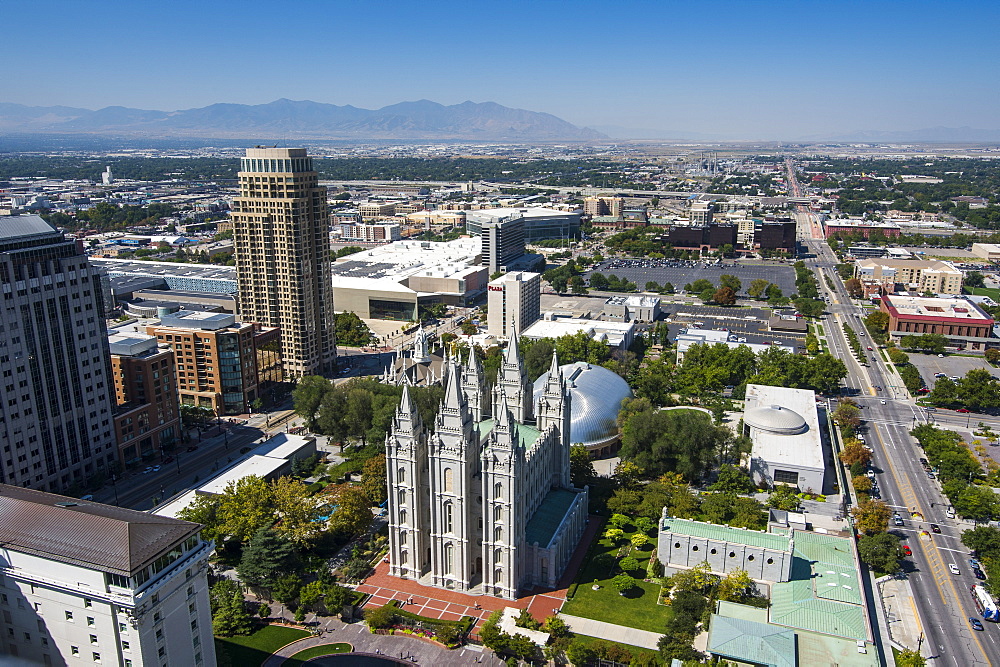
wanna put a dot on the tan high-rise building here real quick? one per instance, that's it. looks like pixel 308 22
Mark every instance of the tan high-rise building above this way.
pixel 282 244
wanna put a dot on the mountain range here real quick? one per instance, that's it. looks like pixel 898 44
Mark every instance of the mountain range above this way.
pixel 468 121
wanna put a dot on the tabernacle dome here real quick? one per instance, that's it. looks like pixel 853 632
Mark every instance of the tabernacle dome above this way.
pixel 775 419
pixel 597 395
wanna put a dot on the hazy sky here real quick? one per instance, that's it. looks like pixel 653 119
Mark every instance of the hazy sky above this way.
pixel 748 69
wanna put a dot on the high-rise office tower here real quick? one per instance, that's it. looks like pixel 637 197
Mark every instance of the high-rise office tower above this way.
pixel 283 256
pixel 57 393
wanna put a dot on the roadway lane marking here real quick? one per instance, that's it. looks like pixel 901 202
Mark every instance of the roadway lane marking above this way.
pixel 931 555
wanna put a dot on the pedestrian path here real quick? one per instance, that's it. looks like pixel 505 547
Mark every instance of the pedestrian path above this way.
pixel 612 632
pixel 392 646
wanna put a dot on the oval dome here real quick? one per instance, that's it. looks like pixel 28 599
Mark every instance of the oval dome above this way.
pixel 775 419
pixel 597 395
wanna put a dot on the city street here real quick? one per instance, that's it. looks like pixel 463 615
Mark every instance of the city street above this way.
pixel 942 600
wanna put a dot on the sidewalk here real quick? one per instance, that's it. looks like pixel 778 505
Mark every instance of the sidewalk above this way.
pixel 901 612
pixel 612 632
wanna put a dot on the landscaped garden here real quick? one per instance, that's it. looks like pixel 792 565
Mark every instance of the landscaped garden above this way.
pixel 635 606
pixel 253 649
pixel 300 658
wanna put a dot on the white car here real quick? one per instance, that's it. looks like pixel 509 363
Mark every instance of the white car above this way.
pixel 882 401
pixel 953 568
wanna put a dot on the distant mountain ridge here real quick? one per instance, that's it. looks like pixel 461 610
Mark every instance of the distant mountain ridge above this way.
pixel 423 119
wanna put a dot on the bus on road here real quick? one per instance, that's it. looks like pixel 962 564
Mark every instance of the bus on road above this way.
pixel 985 603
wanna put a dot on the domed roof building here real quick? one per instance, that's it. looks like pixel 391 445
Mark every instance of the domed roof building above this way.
pixel 596 397
pixel 783 424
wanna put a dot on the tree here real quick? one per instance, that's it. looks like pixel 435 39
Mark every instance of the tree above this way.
pixel 910 658
pixel 734 480
pixel 285 589
pixel 614 535
pixel 581 467
pixel 204 510
pixel 975 502
pixel 245 506
pixel 618 520
pixel 975 279
pixel 898 357
pixel 854 452
pixel 297 512
pixel 673 440
pixel 757 288
pixel 700 285
pixel 652 286
pixel 724 296
pixel 598 281
pixel 871 516
pixel 229 613
pixel 945 392
pixel 628 564
pixel 353 514
pixel 373 479
pixel 352 331
pixel 639 540
pixel 983 539
pixel 734 586
pixel 854 288
pixel 707 295
pixel 783 498
pixel 847 416
pixel 992 355
pixel 877 321
pixel 644 524
pixel 930 343
pixel 862 483
pixel 880 552
pixel 730 281
pixel 623 583
pixel 979 390
pixel 627 473
pixel 266 558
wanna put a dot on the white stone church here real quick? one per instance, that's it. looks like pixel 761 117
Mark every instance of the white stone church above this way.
pixel 482 501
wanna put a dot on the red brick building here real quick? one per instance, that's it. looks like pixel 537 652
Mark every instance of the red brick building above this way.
pixel 959 320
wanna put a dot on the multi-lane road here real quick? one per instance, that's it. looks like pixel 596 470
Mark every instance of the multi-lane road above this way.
pixel 941 600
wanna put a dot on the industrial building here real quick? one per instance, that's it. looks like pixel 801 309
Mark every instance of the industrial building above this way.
pixel 783 425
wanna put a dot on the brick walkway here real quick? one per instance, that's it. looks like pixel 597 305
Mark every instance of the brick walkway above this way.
pixel 452 605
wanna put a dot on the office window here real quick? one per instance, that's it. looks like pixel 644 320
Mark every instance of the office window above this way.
pixel 125 646
pixel 87 602
pixel 128 663
pixel 75 650
pixel 90 621
pixel 159 635
pixel 162 651
pixel 97 657
pixel 69 616
pixel 122 627
pixel 93 639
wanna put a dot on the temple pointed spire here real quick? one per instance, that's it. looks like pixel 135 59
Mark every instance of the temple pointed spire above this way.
pixel 452 388
pixel 405 404
pixel 513 352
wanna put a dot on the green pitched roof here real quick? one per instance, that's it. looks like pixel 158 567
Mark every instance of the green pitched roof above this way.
pixel 750 641
pixel 824 594
pixel 546 519
pixel 711 531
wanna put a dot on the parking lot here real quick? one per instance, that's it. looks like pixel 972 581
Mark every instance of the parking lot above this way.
pixel 681 273
pixel 951 365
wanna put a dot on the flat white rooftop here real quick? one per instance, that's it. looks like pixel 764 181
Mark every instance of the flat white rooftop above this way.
pixel 612 333
pixel 935 307
pixel 803 449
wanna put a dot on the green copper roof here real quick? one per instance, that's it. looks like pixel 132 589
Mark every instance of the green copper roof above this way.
pixel 711 531
pixel 823 595
pixel 543 523
pixel 750 641
pixel 527 435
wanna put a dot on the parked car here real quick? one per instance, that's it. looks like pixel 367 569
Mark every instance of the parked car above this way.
pixel 148 469
pixel 907 551
pixel 963 410
pixel 974 563
pixel 978 574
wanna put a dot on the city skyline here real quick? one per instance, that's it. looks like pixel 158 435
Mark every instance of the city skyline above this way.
pixel 729 70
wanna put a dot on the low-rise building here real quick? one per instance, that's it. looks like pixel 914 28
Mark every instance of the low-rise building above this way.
pixel 614 334
pixel 959 320
pixel 783 425
pixel 863 227
pixel 147 420
pixel 690 337
pixel 885 276
pixel 634 308
pixel 988 251
pixel 539 223
pixel 375 233
pixel 82 582
pixel 371 210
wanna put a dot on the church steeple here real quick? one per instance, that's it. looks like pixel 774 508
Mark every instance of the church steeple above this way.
pixel 454 412
pixel 514 379
pixel 472 386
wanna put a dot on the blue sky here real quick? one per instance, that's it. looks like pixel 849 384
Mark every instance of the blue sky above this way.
pixel 748 69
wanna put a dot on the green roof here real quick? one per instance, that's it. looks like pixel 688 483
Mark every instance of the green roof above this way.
pixel 711 531
pixel 484 427
pixel 546 519
pixel 750 641
pixel 824 593
pixel 527 435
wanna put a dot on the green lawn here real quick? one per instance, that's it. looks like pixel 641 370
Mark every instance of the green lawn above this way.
pixel 636 609
pixel 253 650
pixel 301 657
pixel 991 292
